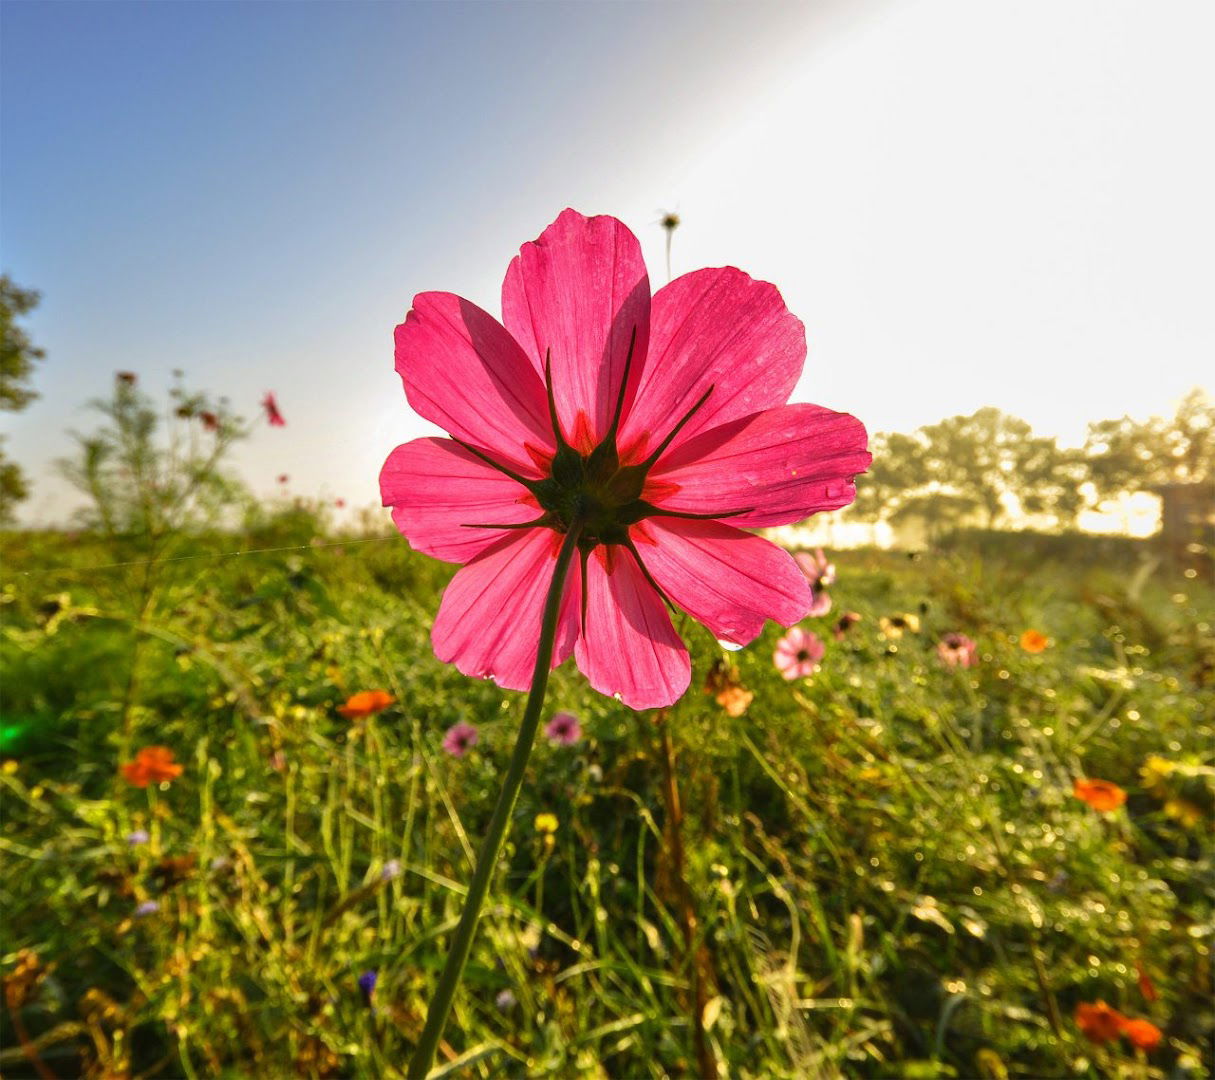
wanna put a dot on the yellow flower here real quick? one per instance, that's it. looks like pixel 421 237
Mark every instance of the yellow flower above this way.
pixel 546 823
pixel 1184 811
pixel 895 626
pixel 1154 771
pixel 10 767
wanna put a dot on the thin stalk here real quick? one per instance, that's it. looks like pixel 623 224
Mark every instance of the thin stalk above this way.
pixel 440 1004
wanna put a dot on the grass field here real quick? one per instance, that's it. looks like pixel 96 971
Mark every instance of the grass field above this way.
pixel 881 871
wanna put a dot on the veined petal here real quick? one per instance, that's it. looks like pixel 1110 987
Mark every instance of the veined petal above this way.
pixel 489 621
pixel 780 465
pixel 716 328
pixel 436 489
pixel 464 372
pixel 730 580
pixel 630 647
pixel 580 290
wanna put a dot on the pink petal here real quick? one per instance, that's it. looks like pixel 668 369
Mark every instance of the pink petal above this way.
pixel 580 290
pixel 489 621
pixel 781 465
pixel 464 372
pixel 630 647
pixel 437 488
pixel 727 579
pixel 716 328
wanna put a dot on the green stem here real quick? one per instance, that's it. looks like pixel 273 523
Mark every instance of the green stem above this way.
pixel 440 1004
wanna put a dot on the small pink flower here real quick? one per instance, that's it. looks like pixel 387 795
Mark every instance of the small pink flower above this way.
pixel 273 416
pixel 798 654
pixel 845 623
pixel 820 574
pixel 666 414
pixel 957 650
pixel 460 739
pixel 563 729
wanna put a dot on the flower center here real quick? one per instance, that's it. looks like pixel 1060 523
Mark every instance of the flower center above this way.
pixel 596 488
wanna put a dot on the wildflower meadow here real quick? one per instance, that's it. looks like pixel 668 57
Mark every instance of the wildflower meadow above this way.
pixel 586 541
pixel 239 819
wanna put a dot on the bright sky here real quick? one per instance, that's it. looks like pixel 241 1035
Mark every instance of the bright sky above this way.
pixel 966 203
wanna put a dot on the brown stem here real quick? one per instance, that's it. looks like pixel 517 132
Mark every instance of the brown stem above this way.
pixel 28 1048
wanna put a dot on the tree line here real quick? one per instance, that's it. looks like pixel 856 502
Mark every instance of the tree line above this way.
pixel 990 469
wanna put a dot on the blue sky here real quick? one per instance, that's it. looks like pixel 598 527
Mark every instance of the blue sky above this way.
pixel 966 204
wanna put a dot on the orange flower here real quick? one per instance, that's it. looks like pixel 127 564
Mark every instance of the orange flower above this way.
pixel 1099 794
pixel 1034 641
pixel 366 702
pixel 734 699
pixel 152 765
pixel 1098 1022
pixel 1143 1034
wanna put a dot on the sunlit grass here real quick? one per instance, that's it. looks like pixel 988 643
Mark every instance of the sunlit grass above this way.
pixel 879 872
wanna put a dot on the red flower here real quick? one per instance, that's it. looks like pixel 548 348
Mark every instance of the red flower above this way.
pixel 1098 1022
pixel 1099 794
pixel 209 420
pixel 283 478
pixel 152 765
pixel 274 417
pixel 365 703
pixel 658 426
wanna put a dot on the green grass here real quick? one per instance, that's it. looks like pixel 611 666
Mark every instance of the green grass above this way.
pixel 879 873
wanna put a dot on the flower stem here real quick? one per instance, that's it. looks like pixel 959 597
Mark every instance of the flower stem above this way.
pixel 461 944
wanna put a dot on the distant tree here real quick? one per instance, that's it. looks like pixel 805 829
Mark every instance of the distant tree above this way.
pixel 1050 479
pixel 938 511
pixel 971 469
pixel 17 357
pixel 978 457
pixel 897 469
pixel 1128 455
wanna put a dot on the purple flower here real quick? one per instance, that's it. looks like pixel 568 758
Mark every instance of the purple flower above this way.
pixel 148 907
pixel 139 836
pixel 460 739
pixel 392 869
pixel 563 729
pixel 367 983
pixel 505 1000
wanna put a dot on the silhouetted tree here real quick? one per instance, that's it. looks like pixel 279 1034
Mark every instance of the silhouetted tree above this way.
pixel 17 357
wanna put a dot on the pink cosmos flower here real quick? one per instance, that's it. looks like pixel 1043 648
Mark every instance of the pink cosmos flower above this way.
pixel 659 423
pixel 563 729
pixel 798 654
pixel 820 574
pixel 957 650
pixel 460 739
pixel 273 416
